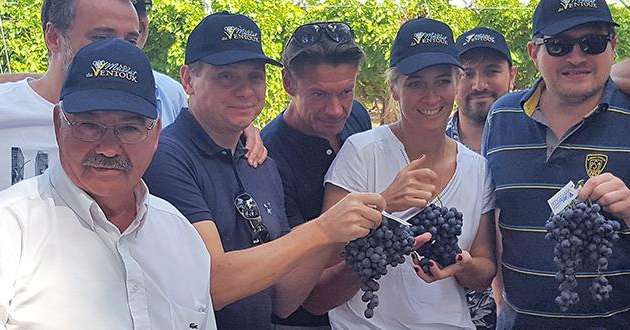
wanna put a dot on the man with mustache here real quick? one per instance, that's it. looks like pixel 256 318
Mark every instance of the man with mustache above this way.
pixel 258 266
pixel 85 245
pixel 571 124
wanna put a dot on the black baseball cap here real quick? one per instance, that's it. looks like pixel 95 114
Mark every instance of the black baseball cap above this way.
pixel 421 43
pixel 482 37
pixel 110 74
pixel 224 38
pixel 556 16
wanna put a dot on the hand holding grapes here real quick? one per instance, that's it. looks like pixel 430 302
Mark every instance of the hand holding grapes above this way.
pixel 610 192
pixel 435 270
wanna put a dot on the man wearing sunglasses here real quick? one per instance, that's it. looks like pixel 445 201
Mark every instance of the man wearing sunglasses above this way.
pixel 571 124
pixel 321 63
pixel 258 266
pixel 85 245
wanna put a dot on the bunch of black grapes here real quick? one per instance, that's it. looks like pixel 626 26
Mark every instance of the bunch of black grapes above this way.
pixel 584 240
pixel 445 225
pixel 369 257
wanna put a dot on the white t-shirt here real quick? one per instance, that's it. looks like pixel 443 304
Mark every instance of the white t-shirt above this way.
pixel 27 134
pixel 63 265
pixel 369 162
pixel 27 137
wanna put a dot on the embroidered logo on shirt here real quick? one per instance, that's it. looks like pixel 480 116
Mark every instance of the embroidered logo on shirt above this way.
pixel 478 37
pixel 595 164
pixel 428 38
pixel 267 206
pixel 101 68
pixel 238 33
pixel 573 4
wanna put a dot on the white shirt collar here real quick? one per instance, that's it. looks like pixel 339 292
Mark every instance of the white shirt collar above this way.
pixel 86 208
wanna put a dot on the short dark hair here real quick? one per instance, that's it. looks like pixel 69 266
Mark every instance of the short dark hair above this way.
pixel 60 13
pixel 323 52
pixel 480 54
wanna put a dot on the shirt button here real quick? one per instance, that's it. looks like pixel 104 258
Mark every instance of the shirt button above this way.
pixel 329 152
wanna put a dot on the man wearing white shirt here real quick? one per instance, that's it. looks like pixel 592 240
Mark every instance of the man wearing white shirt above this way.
pixel 85 246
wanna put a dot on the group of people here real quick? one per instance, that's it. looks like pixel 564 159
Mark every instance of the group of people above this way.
pixel 132 201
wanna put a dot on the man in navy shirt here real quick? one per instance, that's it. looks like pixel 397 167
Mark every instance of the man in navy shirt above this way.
pixel 258 266
pixel 571 124
pixel 321 64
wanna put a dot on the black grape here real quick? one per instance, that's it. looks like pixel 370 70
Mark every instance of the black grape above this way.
pixel 369 257
pixel 584 239
pixel 445 225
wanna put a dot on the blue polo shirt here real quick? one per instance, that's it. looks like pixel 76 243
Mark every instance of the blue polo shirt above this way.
pixel 529 165
pixel 197 176
pixel 303 160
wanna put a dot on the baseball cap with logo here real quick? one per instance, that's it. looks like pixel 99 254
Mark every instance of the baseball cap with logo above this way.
pixel 110 74
pixel 556 16
pixel 421 43
pixel 224 38
pixel 482 37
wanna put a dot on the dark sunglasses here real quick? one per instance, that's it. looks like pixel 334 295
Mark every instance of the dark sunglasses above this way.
pixel 309 34
pixel 592 44
pixel 247 207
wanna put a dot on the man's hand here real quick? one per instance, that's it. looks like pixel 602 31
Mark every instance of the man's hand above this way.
pixel 256 151
pixel 610 192
pixel 352 217
pixel 437 272
pixel 414 186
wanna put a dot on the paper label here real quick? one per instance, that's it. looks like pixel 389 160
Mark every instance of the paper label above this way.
pixel 563 198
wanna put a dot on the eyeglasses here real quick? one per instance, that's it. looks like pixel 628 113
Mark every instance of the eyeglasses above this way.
pixel 247 207
pixel 309 34
pixel 127 133
pixel 590 44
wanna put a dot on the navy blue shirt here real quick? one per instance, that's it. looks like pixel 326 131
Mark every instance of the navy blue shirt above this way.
pixel 197 176
pixel 303 160
pixel 527 171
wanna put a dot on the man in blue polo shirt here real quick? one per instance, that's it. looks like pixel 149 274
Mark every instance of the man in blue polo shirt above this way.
pixel 571 124
pixel 237 209
pixel 321 64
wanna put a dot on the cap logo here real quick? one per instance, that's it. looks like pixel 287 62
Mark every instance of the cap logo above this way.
pixel 572 4
pixel 478 37
pixel 239 33
pixel 428 38
pixel 101 68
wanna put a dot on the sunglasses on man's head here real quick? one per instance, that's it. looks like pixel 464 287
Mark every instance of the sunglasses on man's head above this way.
pixel 247 207
pixel 310 34
pixel 592 44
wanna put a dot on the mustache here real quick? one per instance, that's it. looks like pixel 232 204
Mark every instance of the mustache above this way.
pixel 117 163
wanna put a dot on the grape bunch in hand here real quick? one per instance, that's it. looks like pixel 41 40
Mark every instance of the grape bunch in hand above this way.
pixel 584 240
pixel 445 225
pixel 370 256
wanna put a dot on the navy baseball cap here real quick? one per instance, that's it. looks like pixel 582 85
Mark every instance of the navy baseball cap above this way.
pixel 421 43
pixel 110 74
pixel 225 38
pixel 556 16
pixel 482 37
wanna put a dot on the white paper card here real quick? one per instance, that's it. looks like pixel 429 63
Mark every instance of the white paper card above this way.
pixel 563 198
